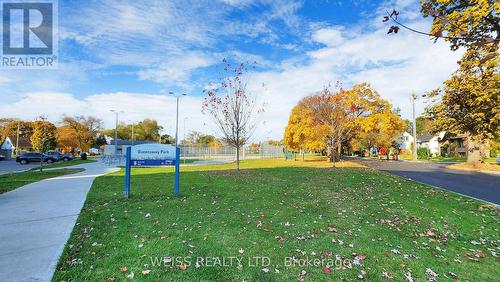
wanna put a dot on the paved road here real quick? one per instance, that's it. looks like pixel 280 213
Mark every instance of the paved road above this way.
pixel 36 220
pixel 478 185
pixel 11 166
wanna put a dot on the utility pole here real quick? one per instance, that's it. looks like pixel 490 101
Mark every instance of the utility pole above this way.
pixel 414 127
pixel 17 138
pixel 132 134
pixel 116 128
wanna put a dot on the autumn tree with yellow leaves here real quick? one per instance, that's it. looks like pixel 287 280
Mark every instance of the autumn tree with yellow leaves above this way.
pixel 326 120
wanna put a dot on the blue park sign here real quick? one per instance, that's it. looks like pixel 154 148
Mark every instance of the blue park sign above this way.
pixel 152 155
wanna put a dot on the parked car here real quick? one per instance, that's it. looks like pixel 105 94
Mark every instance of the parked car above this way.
pixel 26 158
pixel 60 157
pixel 2 157
pixel 67 157
pixel 56 155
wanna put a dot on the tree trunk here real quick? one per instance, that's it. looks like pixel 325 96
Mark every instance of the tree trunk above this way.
pixel 339 151
pixel 238 158
pixel 476 150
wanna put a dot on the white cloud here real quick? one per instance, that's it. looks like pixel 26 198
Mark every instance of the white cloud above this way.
pixel 328 36
pixel 178 69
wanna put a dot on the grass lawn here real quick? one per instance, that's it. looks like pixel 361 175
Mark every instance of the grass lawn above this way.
pixel 364 223
pixel 448 159
pixel 12 181
pixel 64 164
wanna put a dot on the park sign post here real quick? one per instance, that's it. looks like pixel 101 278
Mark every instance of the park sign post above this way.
pixel 152 155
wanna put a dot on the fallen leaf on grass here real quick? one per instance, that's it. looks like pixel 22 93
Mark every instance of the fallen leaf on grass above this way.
pixel 431 273
pixel 260 223
pixel 123 269
pixel 386 275
pixel 409 277
pixel 183 266
pixel 332 229
pixel 267 230
pixel 327 270
pixel 146 272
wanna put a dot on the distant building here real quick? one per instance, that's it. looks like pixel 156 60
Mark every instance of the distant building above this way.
pixel 453 145
pixel 430 142
pixel 407 141
pixel 8 146
pixel 121 146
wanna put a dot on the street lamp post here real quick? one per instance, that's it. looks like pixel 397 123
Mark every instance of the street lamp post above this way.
pixel 177 150
pixel 132 136
pixel 414 127
pixel 116 128
pixel 177 117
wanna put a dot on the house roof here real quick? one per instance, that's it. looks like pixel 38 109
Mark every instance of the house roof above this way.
pixel 425 138
pixel 452 136
pixel 24 142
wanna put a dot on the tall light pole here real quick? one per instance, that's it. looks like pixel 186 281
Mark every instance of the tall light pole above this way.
pixel 116 128
pixel 17 138
pixel 414 127
pixel 132 135
pixel 177 117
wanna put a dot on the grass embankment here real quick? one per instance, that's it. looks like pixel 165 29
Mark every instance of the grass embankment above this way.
pixel 475 167
pixel 364 223
pixel 12 181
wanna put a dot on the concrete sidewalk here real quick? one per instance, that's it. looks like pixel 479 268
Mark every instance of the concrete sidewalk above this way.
pixel 36 220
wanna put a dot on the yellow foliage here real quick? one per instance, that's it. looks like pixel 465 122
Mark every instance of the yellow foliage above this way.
pixel 370 120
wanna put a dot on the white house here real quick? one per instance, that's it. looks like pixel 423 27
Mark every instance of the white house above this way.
pixel 407 141
pixel 431 142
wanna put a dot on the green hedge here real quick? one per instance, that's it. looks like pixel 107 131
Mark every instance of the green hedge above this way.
pixel 423 153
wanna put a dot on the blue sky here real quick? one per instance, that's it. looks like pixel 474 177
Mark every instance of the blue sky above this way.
pixel 127 55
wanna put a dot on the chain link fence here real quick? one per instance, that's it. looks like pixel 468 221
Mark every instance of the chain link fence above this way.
pixel 199 153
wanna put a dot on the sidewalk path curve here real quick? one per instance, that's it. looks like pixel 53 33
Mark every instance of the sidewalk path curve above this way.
pixel 36 221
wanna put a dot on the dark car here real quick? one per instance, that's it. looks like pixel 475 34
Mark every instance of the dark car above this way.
pixel 2 157
pixel 25 158
pixel 66 157
pixel 59 157
pixel 56 155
